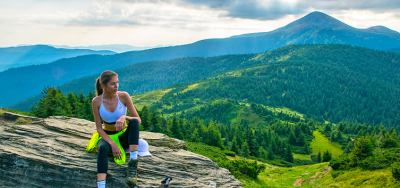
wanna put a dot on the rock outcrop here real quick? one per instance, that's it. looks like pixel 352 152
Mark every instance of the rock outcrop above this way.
pixel 52 152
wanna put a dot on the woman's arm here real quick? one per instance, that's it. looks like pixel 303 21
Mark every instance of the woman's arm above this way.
pixel 131 108
pixel 126 99
pixel 95 107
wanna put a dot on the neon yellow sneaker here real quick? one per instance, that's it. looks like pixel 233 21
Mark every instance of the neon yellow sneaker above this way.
pixel 131 172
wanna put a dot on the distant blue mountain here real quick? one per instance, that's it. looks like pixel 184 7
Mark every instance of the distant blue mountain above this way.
pixel 119 48
pixel 315 28
pixel 39 54
pixel 397 50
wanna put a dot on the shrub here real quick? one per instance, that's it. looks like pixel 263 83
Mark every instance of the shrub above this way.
pixel 335 174
pixel 339 162
pixel 396 171
pixel 229 153
pixel 375 162
pixel 23 121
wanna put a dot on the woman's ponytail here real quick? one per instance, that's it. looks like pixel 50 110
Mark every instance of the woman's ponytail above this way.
pixel 99 90
pixel 104 78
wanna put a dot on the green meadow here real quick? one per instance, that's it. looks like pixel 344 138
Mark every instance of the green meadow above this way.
pixel 321 143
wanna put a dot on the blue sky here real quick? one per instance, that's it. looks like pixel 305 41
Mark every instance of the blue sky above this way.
pixel 171 22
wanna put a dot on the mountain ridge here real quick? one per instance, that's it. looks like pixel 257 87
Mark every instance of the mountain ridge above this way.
pixel 91 64
pixel 375 71
pixel 22 56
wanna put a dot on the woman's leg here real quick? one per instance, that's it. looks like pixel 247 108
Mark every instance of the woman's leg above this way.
pixel 130 138
pixel 102 160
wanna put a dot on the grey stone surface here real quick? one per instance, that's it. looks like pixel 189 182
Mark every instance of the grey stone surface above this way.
pixel 52 152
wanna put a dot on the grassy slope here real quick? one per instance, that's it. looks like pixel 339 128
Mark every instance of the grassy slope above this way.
pixel 275 176
pixel 285 177
pixel 360 178
pixel 148 98
pixel 321 143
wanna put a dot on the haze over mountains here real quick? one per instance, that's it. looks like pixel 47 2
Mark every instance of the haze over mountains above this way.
pixel 315 28
pixel 119 48
pixel 326 82
pixel 39 54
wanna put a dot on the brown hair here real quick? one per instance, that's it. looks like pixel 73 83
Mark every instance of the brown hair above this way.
pixel 104 78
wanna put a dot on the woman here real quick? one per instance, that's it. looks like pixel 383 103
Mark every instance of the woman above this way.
pixel 110 106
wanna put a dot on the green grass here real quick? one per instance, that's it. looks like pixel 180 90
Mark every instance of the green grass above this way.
pixel 149 98
pixel 302 157
pixel 360 178
pixel 284 177
pixel 321 143
pixel 190 88
pixel 2 110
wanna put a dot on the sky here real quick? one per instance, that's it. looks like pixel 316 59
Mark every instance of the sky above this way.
pixel 146 23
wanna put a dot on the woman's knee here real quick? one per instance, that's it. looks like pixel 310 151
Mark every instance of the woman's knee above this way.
pixel 103 148
pixel 134 121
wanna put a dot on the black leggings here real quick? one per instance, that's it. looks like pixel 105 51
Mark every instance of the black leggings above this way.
pixel 129 137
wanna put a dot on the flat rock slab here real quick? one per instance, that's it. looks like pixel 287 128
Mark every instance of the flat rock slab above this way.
pixel 52 152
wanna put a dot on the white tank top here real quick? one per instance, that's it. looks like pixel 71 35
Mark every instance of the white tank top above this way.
pixel 111 117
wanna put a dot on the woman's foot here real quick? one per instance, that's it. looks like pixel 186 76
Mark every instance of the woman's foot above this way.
pixel 131 172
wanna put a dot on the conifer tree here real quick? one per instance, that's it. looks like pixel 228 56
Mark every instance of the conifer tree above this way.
pixel 73 100
pixel 319 159
pixel 270 155
pixel 301 140
pixel 234 145
pixel 292 138
pixel 262 153
pixel 245 151
pixel 155 121
pixel 175 128
pixel 289 155
pixel 145 117
pixel 327 156
pixel 362 149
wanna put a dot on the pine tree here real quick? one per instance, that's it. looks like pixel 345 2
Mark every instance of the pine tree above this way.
pixel 301 140
pixel 175 128
pixel 73 101
pixel 234 145
pixel 155 121
pixel 270 155
pixel 262 153
pixel 289 155
pixel 292 138
pixel 319 157
pixel 362 149
pixel 245 150
pixel 145 117
pixel 327 156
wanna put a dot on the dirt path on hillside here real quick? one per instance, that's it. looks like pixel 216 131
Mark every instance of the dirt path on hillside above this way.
pixel 298 182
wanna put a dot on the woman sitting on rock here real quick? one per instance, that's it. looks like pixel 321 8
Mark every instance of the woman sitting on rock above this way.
pixel 109 107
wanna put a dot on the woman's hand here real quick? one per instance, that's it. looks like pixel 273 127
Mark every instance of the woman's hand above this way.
pixel 115 150
pixel 119 125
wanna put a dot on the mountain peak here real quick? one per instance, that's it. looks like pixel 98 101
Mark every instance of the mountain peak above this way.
pixel 381 29
pixel 318 19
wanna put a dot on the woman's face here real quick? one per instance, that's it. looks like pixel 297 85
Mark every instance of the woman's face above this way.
pixel 112 85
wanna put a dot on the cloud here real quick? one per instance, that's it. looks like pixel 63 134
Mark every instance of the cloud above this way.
pixel 260 10
pixel 275 9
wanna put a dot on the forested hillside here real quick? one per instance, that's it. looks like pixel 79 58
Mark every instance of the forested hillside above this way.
pixel 222 129
pixel 314 28
pixel 325 82
pixel 334 88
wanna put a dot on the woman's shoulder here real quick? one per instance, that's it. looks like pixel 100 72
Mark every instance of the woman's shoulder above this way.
pixel 96 100
pixel 123 94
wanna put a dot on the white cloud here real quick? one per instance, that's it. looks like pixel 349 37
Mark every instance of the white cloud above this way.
pixel 164 22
